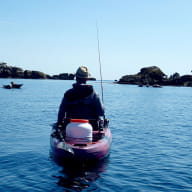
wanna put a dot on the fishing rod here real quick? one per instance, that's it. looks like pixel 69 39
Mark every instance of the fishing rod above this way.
pixel 100 66
pixel 106 121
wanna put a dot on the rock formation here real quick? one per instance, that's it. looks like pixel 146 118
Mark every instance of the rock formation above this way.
pixel 7 71
pixel 154 75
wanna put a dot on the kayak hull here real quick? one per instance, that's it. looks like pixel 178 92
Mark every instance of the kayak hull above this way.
pixel 96 150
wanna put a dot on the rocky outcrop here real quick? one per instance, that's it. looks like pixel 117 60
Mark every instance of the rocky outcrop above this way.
pixel 64 76
pixel 5 71
pixel 185 80
pixel 16 72
pixel 35 75
pixel 154 75
pixel 147 75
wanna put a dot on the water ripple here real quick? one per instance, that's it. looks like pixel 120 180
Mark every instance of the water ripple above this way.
pixel 151 149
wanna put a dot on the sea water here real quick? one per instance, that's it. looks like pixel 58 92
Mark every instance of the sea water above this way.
pixel 151 148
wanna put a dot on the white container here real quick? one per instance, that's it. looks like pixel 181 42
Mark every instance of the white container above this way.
pixel 79 131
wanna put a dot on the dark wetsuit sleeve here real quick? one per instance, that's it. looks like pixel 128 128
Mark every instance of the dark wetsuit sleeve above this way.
pixel 62 110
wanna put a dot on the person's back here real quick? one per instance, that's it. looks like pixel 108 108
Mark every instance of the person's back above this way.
pixel 81 102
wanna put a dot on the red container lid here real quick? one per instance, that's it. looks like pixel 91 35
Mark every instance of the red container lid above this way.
pixel 79 121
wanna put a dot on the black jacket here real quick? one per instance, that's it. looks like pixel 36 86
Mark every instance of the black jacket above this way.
pixel 80 102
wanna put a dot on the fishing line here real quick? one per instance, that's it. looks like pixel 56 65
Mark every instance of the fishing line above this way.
pixel 100 66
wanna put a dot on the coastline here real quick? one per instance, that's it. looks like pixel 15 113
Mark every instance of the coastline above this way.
pixel 148 76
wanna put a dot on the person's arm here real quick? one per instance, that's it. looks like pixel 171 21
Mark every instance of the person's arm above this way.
pixel 62 111
pixel 99 106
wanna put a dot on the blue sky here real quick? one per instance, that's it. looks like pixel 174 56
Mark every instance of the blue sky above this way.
pixel 57 36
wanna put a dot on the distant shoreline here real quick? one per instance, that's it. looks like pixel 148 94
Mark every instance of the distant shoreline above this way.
pixel 13 72
pixel 148 76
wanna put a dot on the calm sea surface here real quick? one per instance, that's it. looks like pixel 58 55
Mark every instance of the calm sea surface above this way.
pixel 151 149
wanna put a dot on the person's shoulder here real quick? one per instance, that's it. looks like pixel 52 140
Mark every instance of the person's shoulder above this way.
pixel 68 92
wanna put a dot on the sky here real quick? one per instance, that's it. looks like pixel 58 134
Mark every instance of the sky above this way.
pixel 58 36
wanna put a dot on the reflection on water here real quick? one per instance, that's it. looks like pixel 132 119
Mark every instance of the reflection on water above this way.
pixel 78 176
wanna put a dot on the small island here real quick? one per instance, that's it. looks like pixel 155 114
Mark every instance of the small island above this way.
pixel 154 76
pixel 7 71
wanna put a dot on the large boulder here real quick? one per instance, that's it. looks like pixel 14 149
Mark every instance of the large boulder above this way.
pixel 186 80
pixel 5 71
pixel 10 72
pixel 147 75
pixel 17 72
pixel 38 75
pixel 130 79
pixel 27 74
pixel 64 76
pixel 153 72
pixel 71 76
pixel 177 80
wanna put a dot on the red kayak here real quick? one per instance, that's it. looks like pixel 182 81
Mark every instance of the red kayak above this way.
pixel 96 149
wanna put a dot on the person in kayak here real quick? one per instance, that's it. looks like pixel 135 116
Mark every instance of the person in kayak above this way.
pixel 81 101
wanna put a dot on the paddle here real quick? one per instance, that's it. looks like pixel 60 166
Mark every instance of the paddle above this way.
pixel 65 146
pixel 62 144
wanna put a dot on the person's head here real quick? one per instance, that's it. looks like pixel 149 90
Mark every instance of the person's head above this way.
pixel 82 74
